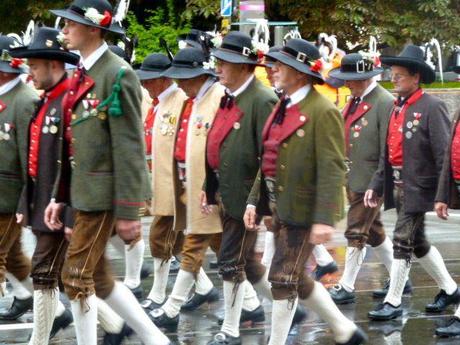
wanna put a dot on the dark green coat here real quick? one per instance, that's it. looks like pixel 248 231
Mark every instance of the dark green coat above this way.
pixel 110 170
pixel 368 141
pixel 310 172
pixel 20 106
pixel 240 151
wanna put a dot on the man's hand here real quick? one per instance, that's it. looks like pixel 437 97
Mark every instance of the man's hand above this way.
pixel 250 218
pixel 68 233
pixel 52 215
pixel 321 233
pixel 441 210
pixel 205 208
pixel 19 218
pixel 371 199
pixel 128 230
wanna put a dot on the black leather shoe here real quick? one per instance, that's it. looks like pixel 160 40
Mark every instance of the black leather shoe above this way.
pixel 358 338
pixel 197 300
pixel 117 338
pixel 222 338
pixel 138 292
pixel 321 271
pixel 442 301
pixel 175 265
pixel 385 312
pixel 150 305
pixel 161 320
pixel 18 308
pixel 146 270
pixel 452 329
pixel 61 322
pixel 299 315
pixel 381 293
pixel 255 316
pixel 341 296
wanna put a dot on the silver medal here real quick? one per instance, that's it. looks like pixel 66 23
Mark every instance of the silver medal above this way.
pixel 45 130
pixel 53 129
pixel 408 135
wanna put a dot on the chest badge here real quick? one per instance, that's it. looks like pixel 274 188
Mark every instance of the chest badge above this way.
pixel 167 124
pixel 236 125
pixel 300 133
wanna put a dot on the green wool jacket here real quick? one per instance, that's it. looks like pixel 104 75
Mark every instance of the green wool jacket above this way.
pixel 17 108
pixel 240 151
pixel 310 172
pixel 109 167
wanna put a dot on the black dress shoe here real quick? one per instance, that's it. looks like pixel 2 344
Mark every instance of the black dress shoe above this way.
pixel 452 329
pixel 299 315
pixel 255 316
pixel 138 292
pixel 321 271
pixel 341 296
pixel 161 320
pixel 18 308
pixel 385 312
pixel 358 338
pixel 61 322
pixel 146 270
pixel 175 265
pixel 442 301
pixel 225 339
pixel 381 293
pixel 197 300
pixel 117 338
pixel 149 305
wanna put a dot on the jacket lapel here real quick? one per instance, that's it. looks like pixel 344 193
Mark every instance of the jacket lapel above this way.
pixel 293 120
pixel 269 122
pixel 362 109
pixel 232 116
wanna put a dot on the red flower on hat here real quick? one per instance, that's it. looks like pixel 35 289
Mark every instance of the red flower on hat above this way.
pixel 16 63
pixel 107 20
pixel 316 66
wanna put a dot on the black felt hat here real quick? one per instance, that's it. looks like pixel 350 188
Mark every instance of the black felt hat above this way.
pixel 268 61
pixel 300 55
pixel 189 63
pixel 193 38
pixel 355 67
pixel 96 13
pixel 412 57
pixel 153 66
pixel 6 63
pixel 46 45
pixel 236 48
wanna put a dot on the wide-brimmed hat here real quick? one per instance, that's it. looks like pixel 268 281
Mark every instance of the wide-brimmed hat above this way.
pixel 189 63
pixel 268 61
pixel 118 51
pixel 7 64
pixel 412 57
pixel 153 66
pixel 193 38
pixel 355 67
pixel 96 13
pixel 46 45
pixel 301 55
pixel 236 48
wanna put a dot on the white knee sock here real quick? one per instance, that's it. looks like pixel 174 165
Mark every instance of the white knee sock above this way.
pixel 182 286
pixel 85 320
pixel 45 305
pixel 399 272
pixel 203 284
pixel 385 253
pixel 457 313
pixel 282 314
pixel 322 256
pixel 434 264
pixel 21 289
pixel 269 250
pixel 134 257
pixel 233 301
pixel 354 258
pixel 123 302
pixel 251 301
pixel 110 321
pixel 263 287
pixel 160 280
pixel 322 304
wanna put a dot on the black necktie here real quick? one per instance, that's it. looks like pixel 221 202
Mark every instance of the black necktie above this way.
pixel 353 106
pixel 227 101
pixel 281 112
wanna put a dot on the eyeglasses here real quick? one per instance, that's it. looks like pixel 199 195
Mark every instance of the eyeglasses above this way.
pixel 397 76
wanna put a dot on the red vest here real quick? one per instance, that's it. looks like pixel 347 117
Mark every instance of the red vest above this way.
pixel 395 129
pixel 148 128
pixel 181 140
pixel 271 149
pixel 455 154
pixel 226 119
pixel 37 126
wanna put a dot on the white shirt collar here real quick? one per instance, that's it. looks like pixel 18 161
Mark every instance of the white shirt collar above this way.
pixel 299 95
pixel 9 86
pixel 162 96
pixel 369 89
pixel 94 56
pixel 243 87
pixel 204 88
